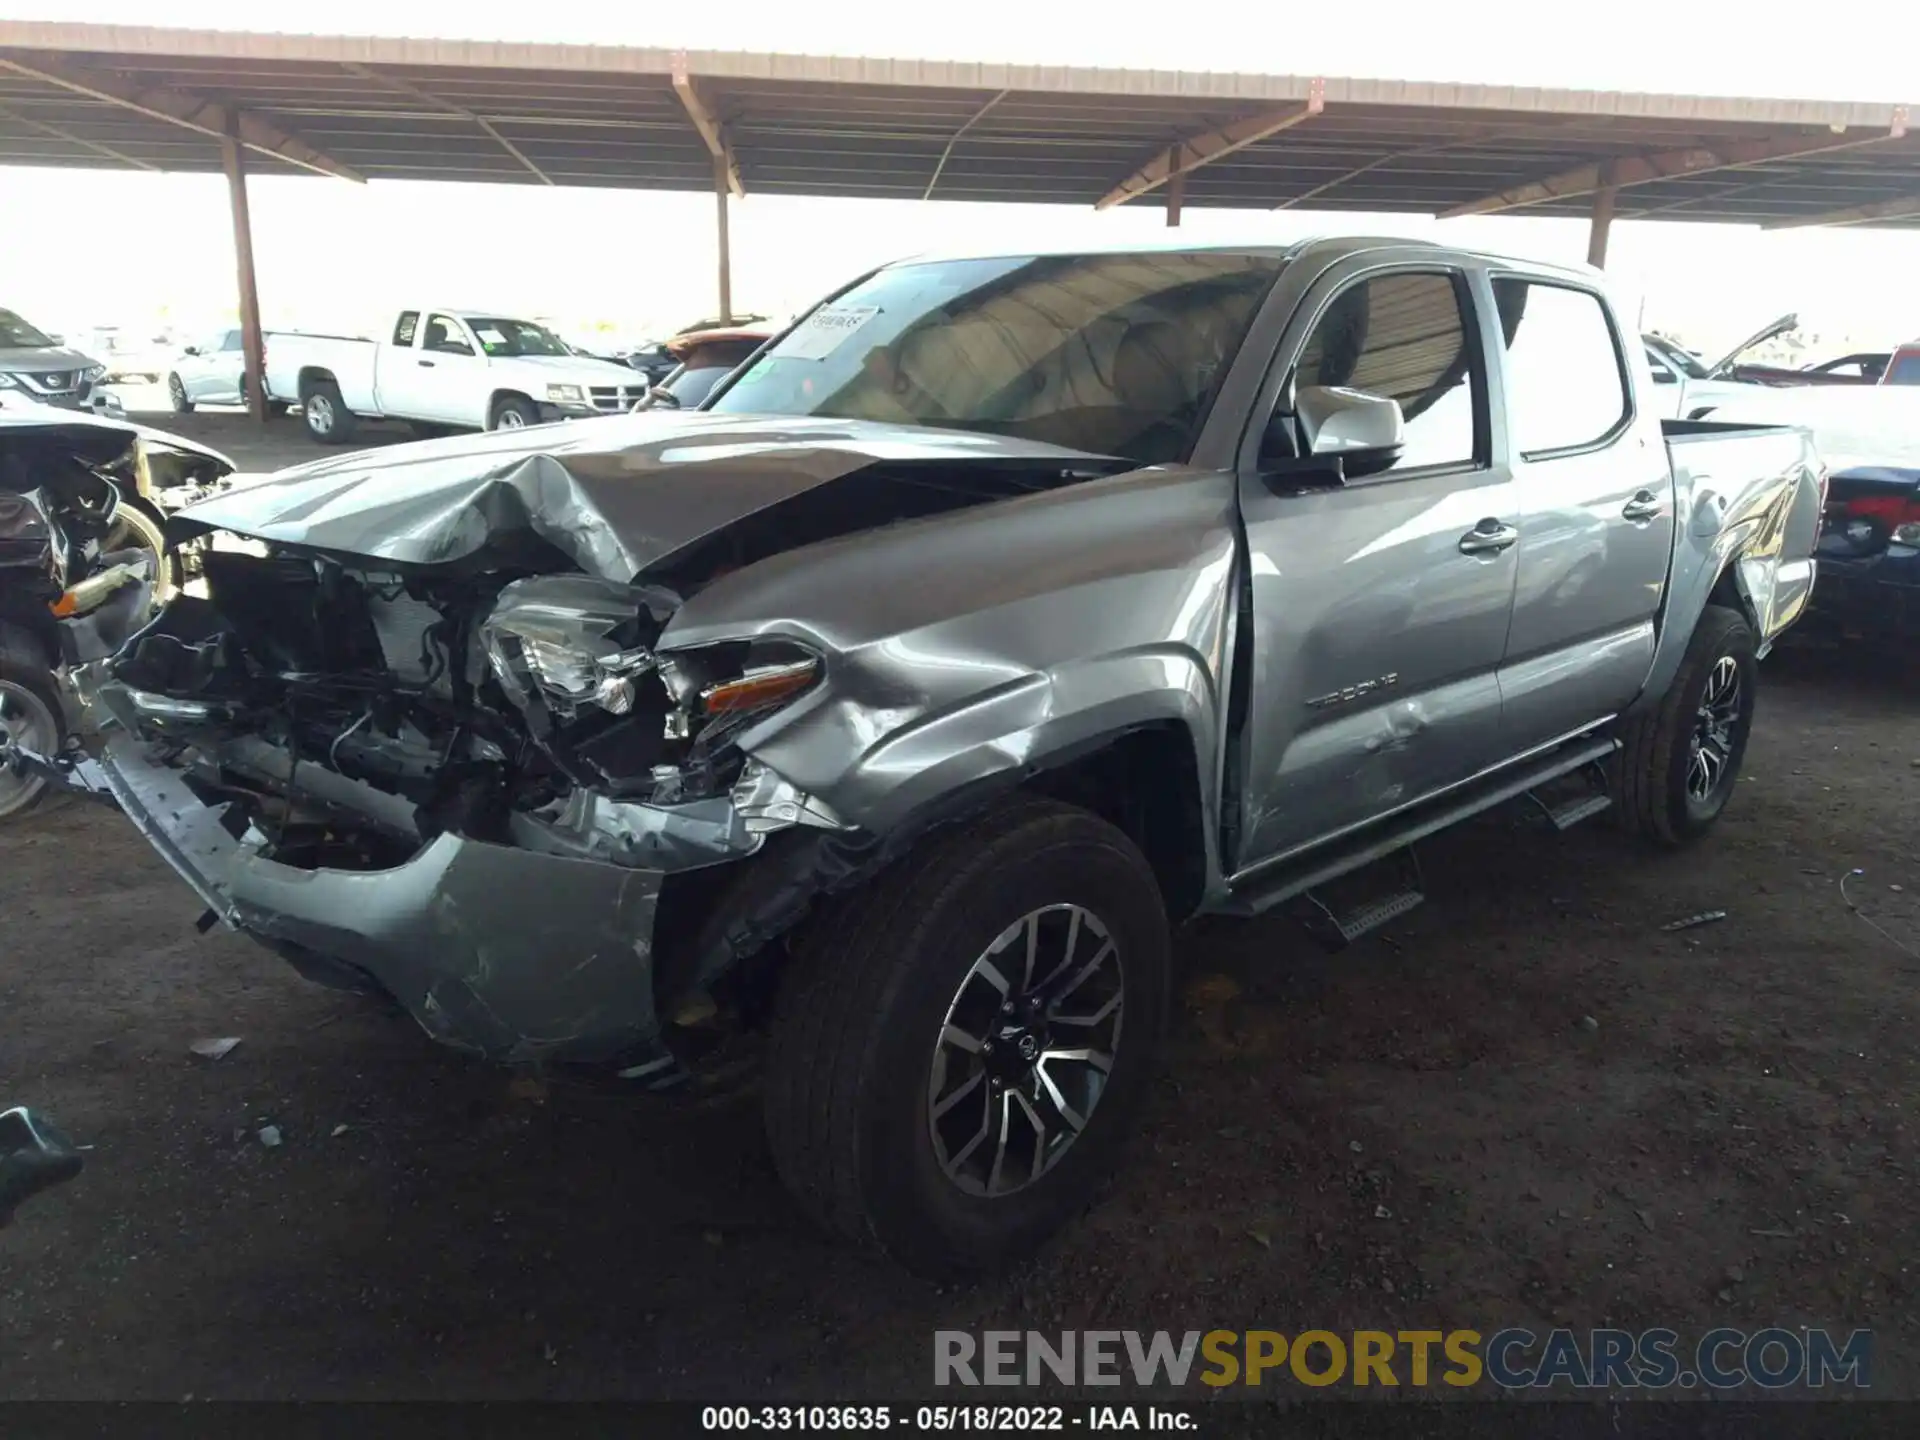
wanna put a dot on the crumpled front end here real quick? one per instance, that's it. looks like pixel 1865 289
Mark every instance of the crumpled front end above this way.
pixel 475 793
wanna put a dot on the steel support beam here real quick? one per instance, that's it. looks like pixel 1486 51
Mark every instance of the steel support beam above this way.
pixel 1176 193
pixel 1602 220
pixel 954 139
pixel 1898 208
pixel 408 88
pixel 253 342
pixel 1186 156
pixel 723 182
pixel 704 120
pixel 185 109
pixel 1671 165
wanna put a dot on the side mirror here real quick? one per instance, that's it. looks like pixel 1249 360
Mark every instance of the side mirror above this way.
pixel 1367 432
pixel 1662 375
pixel 191 350
pixel 58 339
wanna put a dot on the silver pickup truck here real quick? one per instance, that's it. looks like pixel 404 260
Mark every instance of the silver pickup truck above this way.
pixel 883 714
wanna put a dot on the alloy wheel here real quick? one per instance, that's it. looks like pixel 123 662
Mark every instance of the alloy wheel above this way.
pixel 320 414
pixel 1710 747
pixel 1025 1050
pixel 176 392
pixel 26 721
pixel 510 420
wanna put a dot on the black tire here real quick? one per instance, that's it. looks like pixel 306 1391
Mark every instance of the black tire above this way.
pixel 513 412
pixel 1655 788
pixel 852 1054
pixel 26 677
pixel 177 395
pixel 327 417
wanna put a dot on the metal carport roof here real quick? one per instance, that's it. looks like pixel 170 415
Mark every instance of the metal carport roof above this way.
pixel 81 95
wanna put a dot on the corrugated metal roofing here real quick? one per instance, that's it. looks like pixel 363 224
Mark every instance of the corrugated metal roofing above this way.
pixel 429 109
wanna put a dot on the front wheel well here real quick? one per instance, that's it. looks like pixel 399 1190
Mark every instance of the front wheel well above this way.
pixel 1147 784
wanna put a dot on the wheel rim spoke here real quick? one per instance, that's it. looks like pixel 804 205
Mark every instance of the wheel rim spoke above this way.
pixel 1007 1096
pixel 1716 720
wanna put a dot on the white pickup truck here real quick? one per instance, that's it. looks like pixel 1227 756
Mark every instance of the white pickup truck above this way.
pixel 462 368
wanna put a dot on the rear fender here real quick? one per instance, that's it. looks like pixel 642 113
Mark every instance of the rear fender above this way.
pixel 1751 550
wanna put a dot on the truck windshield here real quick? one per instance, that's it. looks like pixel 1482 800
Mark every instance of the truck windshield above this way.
pixel 1113 354
pixel 16 332
pixel 1682 360
pixel 517 337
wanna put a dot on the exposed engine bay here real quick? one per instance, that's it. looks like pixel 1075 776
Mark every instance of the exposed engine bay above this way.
pixel 352 715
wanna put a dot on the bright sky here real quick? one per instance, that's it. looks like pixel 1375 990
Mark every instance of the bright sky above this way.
pixel 130 248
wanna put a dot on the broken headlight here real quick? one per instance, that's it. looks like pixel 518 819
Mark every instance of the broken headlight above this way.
pixel 564 643
pixel 575 656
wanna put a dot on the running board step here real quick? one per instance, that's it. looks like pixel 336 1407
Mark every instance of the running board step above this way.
pixel 1338 929
pixel 1572 812
pixel 1253 892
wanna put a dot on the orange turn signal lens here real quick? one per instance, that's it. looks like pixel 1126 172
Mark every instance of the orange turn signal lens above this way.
pixel 64 607
pixel 758 689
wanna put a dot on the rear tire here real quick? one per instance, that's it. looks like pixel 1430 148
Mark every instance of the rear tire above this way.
pixel 513 412
pixel 1681 761
pixel 861 1061
pixel 328 419
pixel 31 714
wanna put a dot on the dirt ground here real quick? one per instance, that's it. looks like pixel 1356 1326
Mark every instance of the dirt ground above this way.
pixel 1525 1105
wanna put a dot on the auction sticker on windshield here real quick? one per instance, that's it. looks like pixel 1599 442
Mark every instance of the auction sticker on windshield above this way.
pixel 825 331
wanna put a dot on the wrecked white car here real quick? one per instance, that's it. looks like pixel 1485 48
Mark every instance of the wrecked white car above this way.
pixel 889 705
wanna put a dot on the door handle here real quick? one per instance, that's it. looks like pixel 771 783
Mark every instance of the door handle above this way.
pixel 1489 537
pixel 424 364
pixel 1642 507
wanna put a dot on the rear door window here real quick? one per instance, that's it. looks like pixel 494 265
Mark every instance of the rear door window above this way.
pixel 1566 387
pixel 403 331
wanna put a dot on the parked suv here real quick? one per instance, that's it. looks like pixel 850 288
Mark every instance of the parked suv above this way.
pixel 1002 611
pixel 40 366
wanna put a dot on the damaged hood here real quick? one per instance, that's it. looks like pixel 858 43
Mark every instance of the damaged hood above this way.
pixel 615 495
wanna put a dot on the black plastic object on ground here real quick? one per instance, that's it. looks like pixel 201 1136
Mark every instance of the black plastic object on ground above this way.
pixel 34 1156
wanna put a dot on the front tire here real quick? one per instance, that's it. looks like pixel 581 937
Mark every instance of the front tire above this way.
pixel 513 412
pixel 30 715
pixel 962 1045
pixel 177 396
pixel 1681 762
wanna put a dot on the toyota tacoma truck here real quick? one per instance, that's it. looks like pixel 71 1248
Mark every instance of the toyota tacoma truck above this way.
pixel 461 369
pixel 874 722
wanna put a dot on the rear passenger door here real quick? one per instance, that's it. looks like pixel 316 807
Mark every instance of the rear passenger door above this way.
pixel 1596 512
pixel 1380 605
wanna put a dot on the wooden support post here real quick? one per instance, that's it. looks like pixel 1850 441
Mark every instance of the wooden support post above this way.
pixel 721 186
pixel 1602 220
pixel 1176 187
pixel 252 341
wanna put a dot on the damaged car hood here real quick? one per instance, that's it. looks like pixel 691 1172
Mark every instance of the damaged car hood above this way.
pixel 615 495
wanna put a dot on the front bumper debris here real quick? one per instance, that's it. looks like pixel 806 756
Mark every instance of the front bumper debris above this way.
pixel 516 956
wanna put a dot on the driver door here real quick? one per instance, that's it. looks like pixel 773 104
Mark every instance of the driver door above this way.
pixel 1379 621
pixel 447 387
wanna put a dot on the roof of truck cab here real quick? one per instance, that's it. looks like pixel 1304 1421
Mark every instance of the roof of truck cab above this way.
pixel 89 95
pixel 1294 250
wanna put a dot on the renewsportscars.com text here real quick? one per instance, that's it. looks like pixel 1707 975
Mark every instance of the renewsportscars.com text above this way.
pixel 1774 1358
